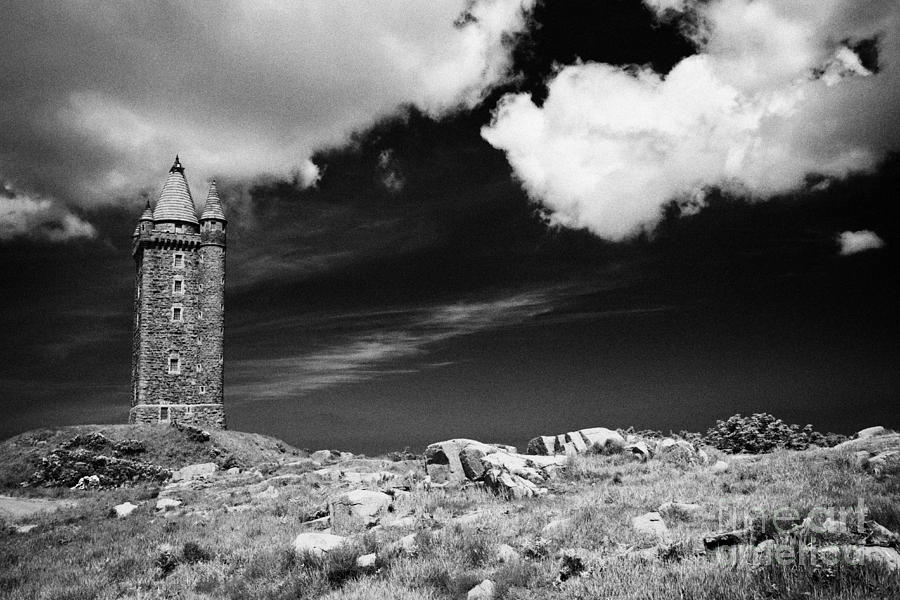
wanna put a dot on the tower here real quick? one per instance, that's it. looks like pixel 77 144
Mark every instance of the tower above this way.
pixel 179 308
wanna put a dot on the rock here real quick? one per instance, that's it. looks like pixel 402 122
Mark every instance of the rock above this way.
pixel 884 461
pixel 470 459
pixel 442 461
pixel 233 471
pixel 703 456
pixel 321 456
pixel 88 482
pixel 26 528
pixel 720 467
pixel 679 509
pixel 569 449
pixel 651 524
pixel 327 474
pixel 677 450
pixel 874 444
pixel 556 526
pixel 606 440
pixel 401 523
pixel 640 450
pixel 366 505
pixel 560 442
pixel 486 590
pixel 504 483
pixel 165 504
pixel 878 535
pixel 505 448
pixel 472 517
pixel 574 438
pixel 406 545
pixel 542 445
pixel 317 543
pixel 507 554
pixel 270 493
pixel 870 432
pixel 833 526
pixel 197 471
pixel 861 458
pixel 124 509
pixel 889 558
pixel 366 561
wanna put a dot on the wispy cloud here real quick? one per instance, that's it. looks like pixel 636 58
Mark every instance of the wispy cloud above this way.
pixel 389 346
pixel 25 216
pixel 853 242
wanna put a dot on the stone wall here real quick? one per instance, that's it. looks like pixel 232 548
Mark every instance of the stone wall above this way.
pixel 197 338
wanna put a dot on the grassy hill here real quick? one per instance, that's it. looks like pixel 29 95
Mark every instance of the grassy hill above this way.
pixel 232 535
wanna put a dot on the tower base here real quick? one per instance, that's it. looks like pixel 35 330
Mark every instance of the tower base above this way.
pixel 200 415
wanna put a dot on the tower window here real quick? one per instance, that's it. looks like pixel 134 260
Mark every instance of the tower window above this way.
pixel 178 260
pixel 202 389
pixel 174 364
pixel 163 413
pixel 177 313
pixel 178 286
pixel 199 368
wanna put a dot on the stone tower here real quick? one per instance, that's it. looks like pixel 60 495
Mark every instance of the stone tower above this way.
pixel 179 309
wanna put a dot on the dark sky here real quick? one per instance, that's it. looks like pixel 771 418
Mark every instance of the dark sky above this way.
pixel 549 216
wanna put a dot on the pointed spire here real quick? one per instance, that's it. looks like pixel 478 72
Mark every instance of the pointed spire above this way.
pixel 147 215
pixel 213 207
pixel 175 202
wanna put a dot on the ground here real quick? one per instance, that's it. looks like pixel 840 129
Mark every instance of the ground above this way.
pixel 233 534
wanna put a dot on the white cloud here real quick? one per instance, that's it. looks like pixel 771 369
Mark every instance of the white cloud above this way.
pixel 772 96
pixel 251 87
pixel 23 216
pixel 859 241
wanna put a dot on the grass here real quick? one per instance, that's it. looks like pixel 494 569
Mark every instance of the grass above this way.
pixel 206 551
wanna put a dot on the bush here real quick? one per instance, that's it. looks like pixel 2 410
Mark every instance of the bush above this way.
pixel 760 433
pixel 192 552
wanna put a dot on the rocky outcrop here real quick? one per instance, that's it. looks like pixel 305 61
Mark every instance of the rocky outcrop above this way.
pixel 594 439
pixel 506 473
pixel 361 505
pixel 68 467
pixel 317 544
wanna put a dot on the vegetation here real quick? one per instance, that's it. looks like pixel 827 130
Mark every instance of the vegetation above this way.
pixel 761 432
pixel 228 541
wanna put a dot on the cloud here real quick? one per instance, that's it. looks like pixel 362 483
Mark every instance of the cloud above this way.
pixel 24 216
pixel 102 95
pixel 775 92
pixel 396 338
pixel 853 242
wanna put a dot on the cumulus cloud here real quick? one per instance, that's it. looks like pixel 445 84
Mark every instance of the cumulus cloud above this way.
pixel 105 94
pixel 859 241
pixel 23 216
pixel 775 92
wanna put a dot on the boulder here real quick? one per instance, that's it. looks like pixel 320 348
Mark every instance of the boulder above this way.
pixel 470 459
pixel 316 543
pixel 676 450
pixel 88 482
pixel 888 558
pixel 197 471
pixel 651 523
pixel 861 458
pixel 366 561
pixel 366 505
pixel 640 450
pixel 603 439
pixel 720 467
pixel 507 554
pixel 26 528
pixel 368 478
pixel 883 462
pixel 574 438
pixel 442 460
pixel 165 504
pixel 486 590
pixel 506 484
pixel 321 456
pixel 124 509
pixel 870 432
pixel 542 445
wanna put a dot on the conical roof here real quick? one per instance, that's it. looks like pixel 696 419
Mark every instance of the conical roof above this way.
pixel 147 215
pixel 175 202
pixel 213 207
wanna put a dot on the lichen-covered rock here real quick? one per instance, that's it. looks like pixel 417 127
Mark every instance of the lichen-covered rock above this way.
pixel 316 543
pixel 196 471
pixel 470 459
pixel 604 440
pixel 364 505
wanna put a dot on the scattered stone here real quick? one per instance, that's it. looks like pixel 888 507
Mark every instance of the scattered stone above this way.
pixel 870 432
pixel 366 505
pixel 834 526
pixel 889 558
pixel 574 438
pixel 472 517
pixel 166 504
pixel 507 554
pixel 677 450
pixel 506 484
pixel 270 493
pixel 861 458
pixel 720 467
pixel 317 543
pixel 26 528
pixel 884 461
pixel 233 471
pixel 321 456
pixel 401 523
pixel 124 509
pixel 542 445
pixel 366 478
pixel 640 450
pixel 601 438
pixel 651 523
pixel 879 535
pixel 729 538
pixel 470 460
pixel 196 471
pixel 88 482
pixel 366 561
pixel 486 590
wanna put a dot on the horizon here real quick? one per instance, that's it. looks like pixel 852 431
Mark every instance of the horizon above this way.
pixel 491 219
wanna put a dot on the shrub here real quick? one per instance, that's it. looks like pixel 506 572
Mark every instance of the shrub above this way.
pixel 760 433
pixel 192 552
pixel 166 561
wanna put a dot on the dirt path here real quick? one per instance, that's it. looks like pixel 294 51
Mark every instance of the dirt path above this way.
pixel 15 508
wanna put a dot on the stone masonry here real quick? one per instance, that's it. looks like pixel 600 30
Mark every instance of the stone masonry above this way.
pixel 179 302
